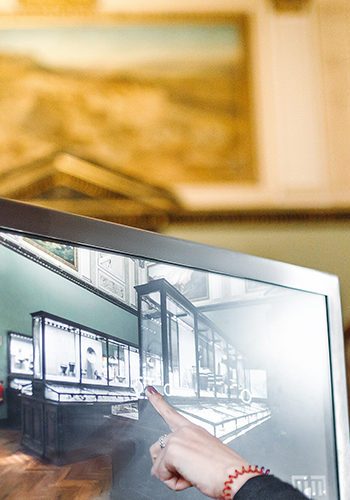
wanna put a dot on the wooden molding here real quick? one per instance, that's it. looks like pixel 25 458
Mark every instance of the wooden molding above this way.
pixel 57 7
pixel 84 176
pixel 290 5
pixel 253 216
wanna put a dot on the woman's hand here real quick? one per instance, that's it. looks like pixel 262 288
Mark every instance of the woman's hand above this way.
pixel 192 456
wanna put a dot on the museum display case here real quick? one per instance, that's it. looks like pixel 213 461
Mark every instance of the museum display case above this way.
pixel 186 355
pixel 20 373
pixel 20 349
pixel 81 377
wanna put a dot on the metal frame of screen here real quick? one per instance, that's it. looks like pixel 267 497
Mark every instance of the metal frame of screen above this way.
pixel 52 225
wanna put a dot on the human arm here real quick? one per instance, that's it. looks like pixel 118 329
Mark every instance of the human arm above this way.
pixel 193 457
pixel 268 488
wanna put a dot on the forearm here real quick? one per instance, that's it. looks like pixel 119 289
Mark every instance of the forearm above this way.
pixel 268 488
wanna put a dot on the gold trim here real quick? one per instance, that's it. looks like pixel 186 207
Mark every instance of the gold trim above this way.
pixel 100 19
pixel 57 7
pixel 290 5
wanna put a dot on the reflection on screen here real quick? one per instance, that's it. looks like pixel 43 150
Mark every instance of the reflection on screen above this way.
pixel 246 360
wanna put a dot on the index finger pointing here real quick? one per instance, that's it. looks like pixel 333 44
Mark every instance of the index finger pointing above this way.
pixel 167 412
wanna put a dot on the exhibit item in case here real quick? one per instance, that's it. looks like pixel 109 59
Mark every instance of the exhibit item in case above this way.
pixel 247 348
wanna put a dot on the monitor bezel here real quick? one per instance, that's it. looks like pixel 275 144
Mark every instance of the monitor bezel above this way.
pixel 40 222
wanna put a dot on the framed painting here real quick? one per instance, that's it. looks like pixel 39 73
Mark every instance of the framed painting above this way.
pixel 163 98
pixel 65 254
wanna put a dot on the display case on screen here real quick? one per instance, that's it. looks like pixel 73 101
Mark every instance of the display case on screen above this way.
pixel 80 375
pixel 20 373
pixel 74 354
pixel 187 356
pixel 181 349
pixel 20 354
pixel 61 350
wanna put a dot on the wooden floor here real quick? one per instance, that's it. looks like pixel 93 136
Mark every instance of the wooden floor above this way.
pixel 24 477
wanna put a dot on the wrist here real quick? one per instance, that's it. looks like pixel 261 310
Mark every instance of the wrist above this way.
pixel 239 482
pixel 238 477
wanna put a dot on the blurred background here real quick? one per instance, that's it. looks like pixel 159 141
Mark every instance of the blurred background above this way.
pixel 222 122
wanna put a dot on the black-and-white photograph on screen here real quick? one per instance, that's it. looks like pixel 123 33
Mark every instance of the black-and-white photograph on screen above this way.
pixel 246 360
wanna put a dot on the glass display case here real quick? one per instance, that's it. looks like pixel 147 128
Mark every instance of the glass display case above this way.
pixel 183 350
pixel 93 353
pixel 61 351
pixel 150 319
pixel 70 353
pixel 20 373
pixel 167 326
pixel 19 383
pixel 64 393
pixel 187 356
pixel 222 420
pixel 20 349
pixel 181 364
pixel 81 377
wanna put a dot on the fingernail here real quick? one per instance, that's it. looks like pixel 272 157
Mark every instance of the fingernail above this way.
pixel 151 389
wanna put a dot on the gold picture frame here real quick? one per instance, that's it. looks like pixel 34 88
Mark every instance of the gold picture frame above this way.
pixel 165 98
pixel 63 254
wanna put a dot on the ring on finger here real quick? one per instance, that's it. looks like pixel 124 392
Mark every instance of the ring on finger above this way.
pixel 162 440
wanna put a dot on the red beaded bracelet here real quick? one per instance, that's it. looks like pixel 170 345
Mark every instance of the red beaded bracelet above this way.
pixel 227 491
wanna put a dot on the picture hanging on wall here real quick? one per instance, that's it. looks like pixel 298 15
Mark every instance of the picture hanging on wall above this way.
pixel 65 254
pixel 174 90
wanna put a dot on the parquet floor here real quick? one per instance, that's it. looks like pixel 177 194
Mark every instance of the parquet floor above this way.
pixel 24 477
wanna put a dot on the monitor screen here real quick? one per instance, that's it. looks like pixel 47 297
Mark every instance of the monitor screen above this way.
pixel 242 351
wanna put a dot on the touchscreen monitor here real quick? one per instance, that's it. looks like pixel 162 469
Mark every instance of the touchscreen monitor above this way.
pixel 249 349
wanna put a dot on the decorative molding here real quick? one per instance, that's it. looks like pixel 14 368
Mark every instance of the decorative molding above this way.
pixel 57 7
pixel 260 215
pixel 66 182
pixel 111 285
pixel 85 176
pixel 290 5
pixel 64 274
